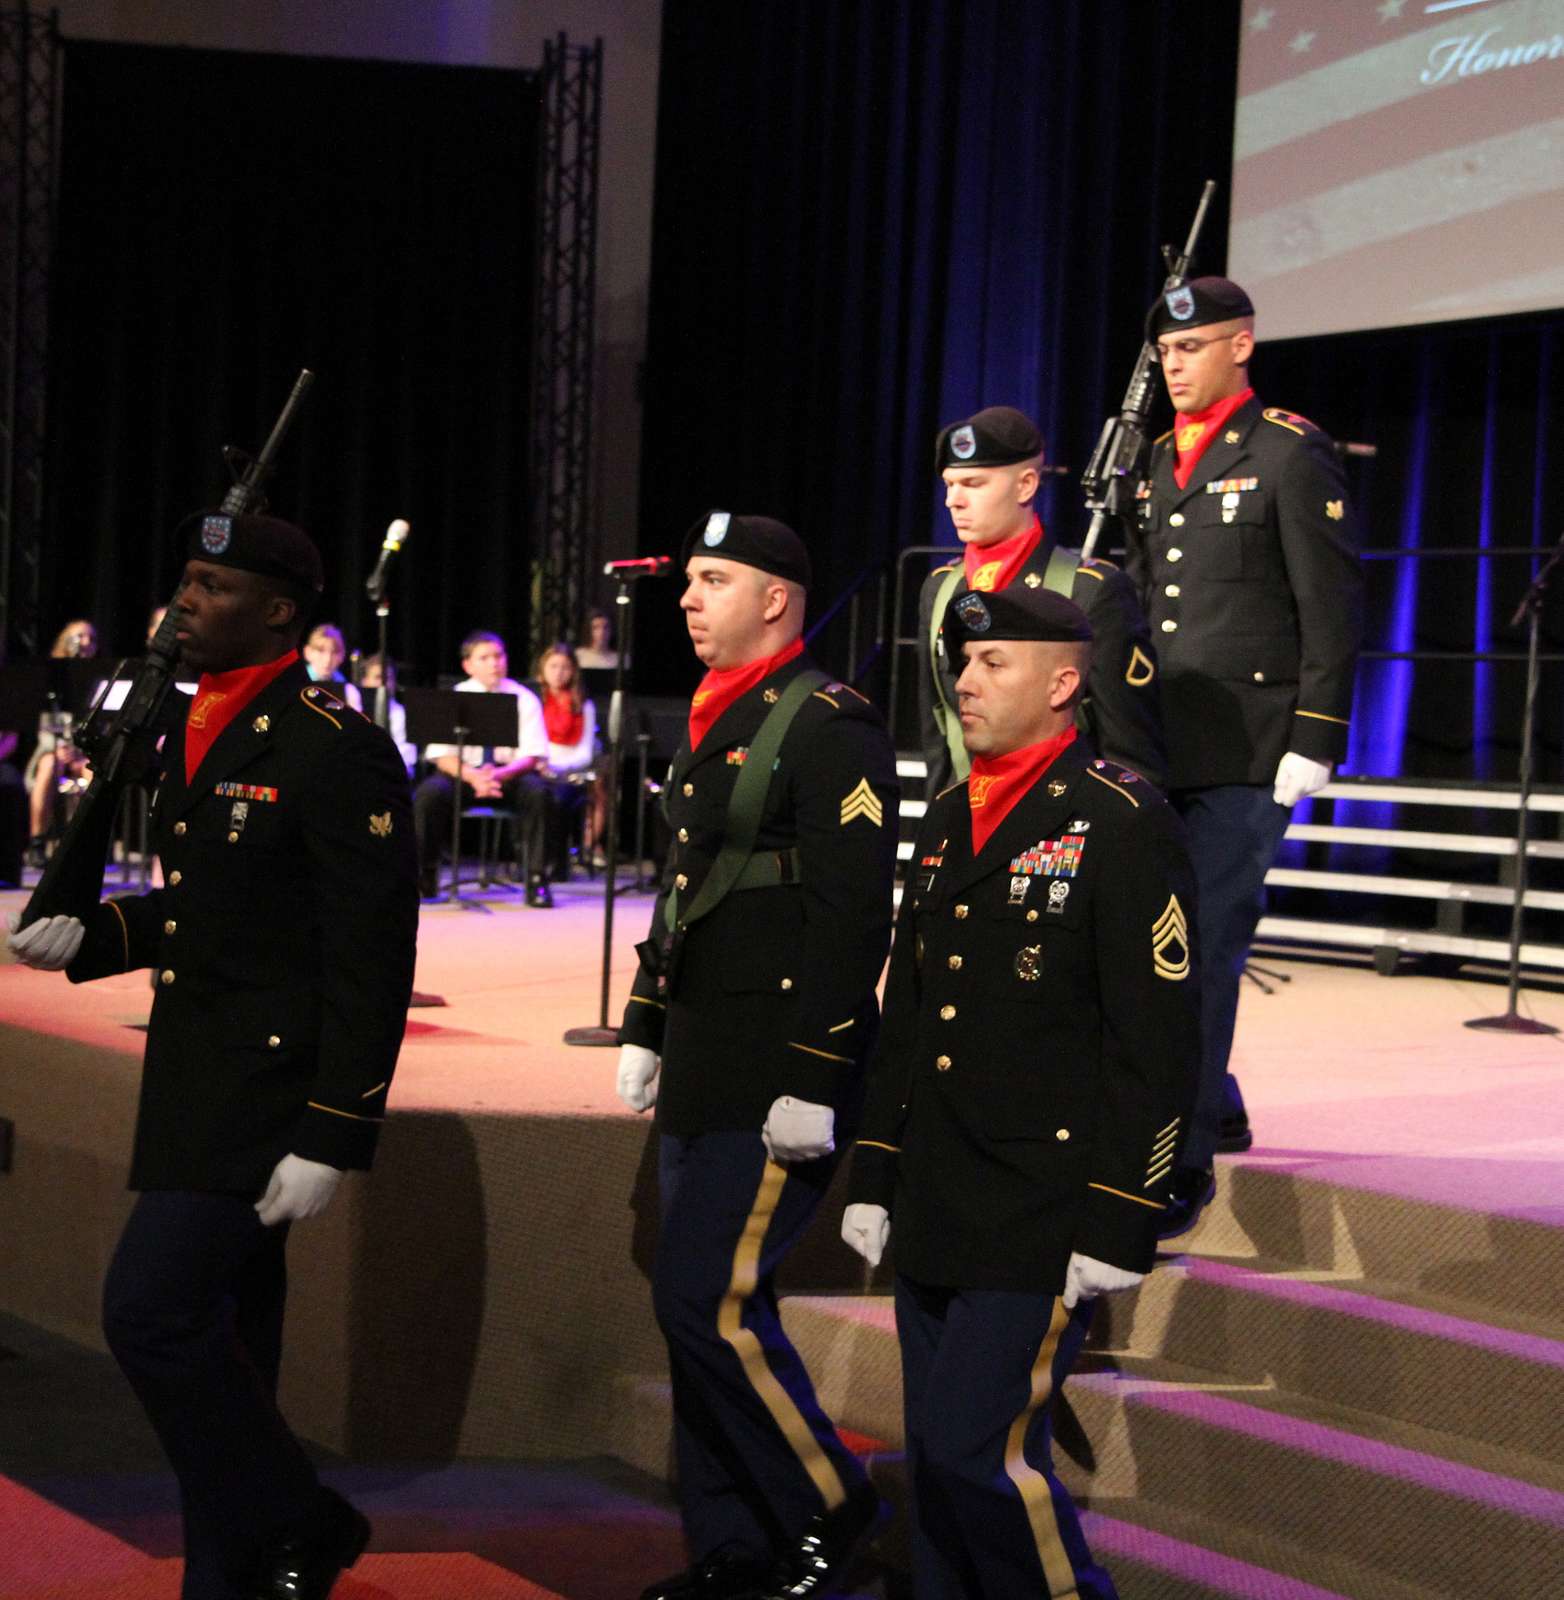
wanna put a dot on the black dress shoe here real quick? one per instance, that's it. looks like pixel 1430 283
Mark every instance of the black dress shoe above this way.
pixel 725 1575
pixel 1194 1188
pixel 823 1551
pixel 428 885
pixel 306 1564
pixel 540 895
pixel 1233 1135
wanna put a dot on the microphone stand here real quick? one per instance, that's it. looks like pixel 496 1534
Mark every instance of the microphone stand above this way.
pixel 602 1036
pixel 1531 609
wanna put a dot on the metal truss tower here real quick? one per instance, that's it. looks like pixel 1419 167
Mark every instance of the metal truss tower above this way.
pixel 565 540
pixel 29 126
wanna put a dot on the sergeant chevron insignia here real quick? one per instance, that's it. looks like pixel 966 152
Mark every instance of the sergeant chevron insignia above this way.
pixel 862 802
pixel 1170 942
pixel 380 826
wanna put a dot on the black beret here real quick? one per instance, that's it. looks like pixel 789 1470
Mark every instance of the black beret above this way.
pixel 253 544
pixel 1014 613
pixel 1196 303
pixel 995 437
pixel 761 542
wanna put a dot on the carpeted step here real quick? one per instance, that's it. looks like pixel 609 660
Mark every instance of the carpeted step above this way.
pixel 1415 1516
pixel 1481 1245
pixel 1342 1343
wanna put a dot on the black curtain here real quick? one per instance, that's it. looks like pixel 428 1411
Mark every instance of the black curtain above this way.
pixel 873 218
pixel 225 220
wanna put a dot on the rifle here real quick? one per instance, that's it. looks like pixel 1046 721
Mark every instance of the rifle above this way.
pixel 123 748
pixel 1118 464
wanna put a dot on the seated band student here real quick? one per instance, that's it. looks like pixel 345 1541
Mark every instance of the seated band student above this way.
pixel 55 761
pixel 570 720
pixel 324 652
pixel 507 774
pixel 371 680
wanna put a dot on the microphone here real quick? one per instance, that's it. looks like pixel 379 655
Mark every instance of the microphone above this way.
pixel 641 567
pixel 395 534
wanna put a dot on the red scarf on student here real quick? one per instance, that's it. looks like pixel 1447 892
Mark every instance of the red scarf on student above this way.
pixel 1193 433
pixel 990 567
pixel 997 782
pixel 561 720
pixel 219 698
pixel 719 690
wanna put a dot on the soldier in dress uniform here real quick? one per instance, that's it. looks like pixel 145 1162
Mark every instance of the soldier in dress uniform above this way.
pixel 282 943
pixel 750 1019
pixel 990 465
pixel 1245 553
pixel 1033 1079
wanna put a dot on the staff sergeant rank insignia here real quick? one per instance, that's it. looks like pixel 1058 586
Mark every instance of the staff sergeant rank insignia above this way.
pixel 1170 943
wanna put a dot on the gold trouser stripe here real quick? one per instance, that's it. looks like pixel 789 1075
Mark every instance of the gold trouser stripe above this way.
pixel 1121 1194
pixel 1029 1482
pixel 641 1000
pixel 1319 716
pixel 124 931
pixel 741 1287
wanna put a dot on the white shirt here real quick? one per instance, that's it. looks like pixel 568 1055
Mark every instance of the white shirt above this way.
pixel 531 736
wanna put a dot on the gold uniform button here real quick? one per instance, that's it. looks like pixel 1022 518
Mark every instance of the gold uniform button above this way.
pixel 947 1013
pixel 1172 591
pixel 681 882
pixel 961 913
pixel 233 838
pixel 1031 915
pixel 166 977
pixel 1259 677
pixel 1176 520
pixel 689 789
pixel 1062 1135
pixel 954 963
pixel 180 830
pixel 169 926
pixel 1175 554
pixel 942 1063
pixel 174 879
pixel 684 835
pixel 1169 625
pixel 274 1042
pixel 787 983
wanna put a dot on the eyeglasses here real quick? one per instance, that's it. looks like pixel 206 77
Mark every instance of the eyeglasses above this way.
pixel 1186 347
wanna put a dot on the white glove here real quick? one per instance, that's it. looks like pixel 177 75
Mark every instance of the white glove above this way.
pixel 798 1130
pixel 637 1081
pixel 866 1229
pixel 1298 777
pixel 1085 1278
pixel 298 1189
pixel 49 944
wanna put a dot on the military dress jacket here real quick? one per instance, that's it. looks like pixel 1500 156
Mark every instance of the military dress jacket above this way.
pixel 773 993
pixel 282 944
pixel 1120 711
pixel 1040 1046
pixel 1251 579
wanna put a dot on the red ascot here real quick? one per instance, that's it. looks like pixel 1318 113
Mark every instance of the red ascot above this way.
pixel 990 567
pixel 719 690
pixel 562 722
pixel 997 782
pixel 219 698
pixel 1193 433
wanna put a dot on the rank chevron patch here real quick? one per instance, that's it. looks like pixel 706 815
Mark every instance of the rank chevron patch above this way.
pixel 862 802
pixel 1170 933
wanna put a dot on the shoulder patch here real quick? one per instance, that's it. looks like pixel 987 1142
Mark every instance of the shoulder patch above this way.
pixel 1289 420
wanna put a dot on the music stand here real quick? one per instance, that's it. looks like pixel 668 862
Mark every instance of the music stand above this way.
pixel 445 716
